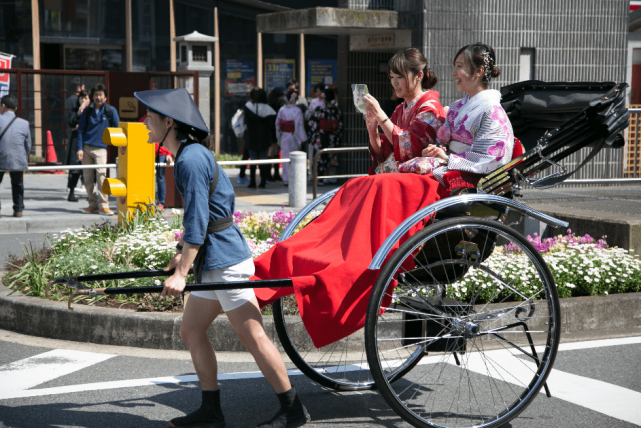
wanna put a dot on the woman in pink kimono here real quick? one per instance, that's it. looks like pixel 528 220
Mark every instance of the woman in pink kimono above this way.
pixel 414 123
pixel 477 136
pixel 290 130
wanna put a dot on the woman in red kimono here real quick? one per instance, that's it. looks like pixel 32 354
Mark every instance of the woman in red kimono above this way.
pixel 328 259
pixel 414 123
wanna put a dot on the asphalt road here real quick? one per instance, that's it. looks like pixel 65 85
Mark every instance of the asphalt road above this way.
pixel 103 386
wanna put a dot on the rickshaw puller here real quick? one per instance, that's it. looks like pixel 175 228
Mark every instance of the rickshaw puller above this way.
pixel 219 252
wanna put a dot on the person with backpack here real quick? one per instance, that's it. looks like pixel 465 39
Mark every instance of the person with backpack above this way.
pixel 91 150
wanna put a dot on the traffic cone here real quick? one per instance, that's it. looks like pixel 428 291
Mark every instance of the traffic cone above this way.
pixel 51 153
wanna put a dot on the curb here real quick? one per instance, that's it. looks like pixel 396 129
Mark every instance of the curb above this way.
pixel 12 225
pixel 124 327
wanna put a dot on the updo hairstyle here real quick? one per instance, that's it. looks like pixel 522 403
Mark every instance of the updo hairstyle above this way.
pixel 411 60
pixel 480 55
pixel 330 95
pixel 289 94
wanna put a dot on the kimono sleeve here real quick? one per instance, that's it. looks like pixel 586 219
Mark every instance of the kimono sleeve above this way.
pixel 408 143
pixel 314 125
pixel 300 127
pixel 492 146
pixel 278 131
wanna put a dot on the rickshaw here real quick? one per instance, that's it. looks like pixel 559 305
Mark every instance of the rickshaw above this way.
pixel 464 319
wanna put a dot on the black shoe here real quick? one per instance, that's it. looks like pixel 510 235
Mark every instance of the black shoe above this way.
pixel 72 197
pixel 252 185
pixel 209 415
pixel 292 413
pixel 262 184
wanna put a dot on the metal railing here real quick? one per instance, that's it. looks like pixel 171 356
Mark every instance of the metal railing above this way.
pixel 160 164
pixel 315 176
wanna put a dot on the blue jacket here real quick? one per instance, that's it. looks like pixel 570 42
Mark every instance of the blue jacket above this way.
pixel 15 144
pixel 98 122
pixel 193 173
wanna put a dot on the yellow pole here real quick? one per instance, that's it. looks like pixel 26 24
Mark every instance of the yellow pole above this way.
pixel 259 61
pixel 128 38
pixel 301 65
pixel 37 95
pixel 216 85
pixel 172 36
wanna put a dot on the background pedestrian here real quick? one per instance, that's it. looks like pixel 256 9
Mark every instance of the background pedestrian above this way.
pixel 71 155
pixel 15 144
pixel 91 150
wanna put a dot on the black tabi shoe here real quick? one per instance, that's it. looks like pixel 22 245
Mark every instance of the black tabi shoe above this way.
pixel 210 415
pixel 292 413
pixel 72 197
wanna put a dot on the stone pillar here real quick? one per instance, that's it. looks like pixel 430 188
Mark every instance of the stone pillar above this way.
pixel 298 179
pixel 198 53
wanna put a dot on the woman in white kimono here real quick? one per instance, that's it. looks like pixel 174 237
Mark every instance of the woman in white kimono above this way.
pixel 290 130
pixel 477 136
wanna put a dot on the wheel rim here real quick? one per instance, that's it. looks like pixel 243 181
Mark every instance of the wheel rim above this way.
pixel 341 365
pixel 494 378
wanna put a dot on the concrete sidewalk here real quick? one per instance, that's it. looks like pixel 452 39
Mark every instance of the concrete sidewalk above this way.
pixel 47 208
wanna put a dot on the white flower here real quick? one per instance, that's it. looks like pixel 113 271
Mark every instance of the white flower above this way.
pixel 93 267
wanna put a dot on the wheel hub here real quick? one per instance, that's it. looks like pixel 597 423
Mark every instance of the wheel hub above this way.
pixel 464 328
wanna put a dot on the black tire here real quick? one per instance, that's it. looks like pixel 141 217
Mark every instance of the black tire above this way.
pixel 482 369
pixel 341 366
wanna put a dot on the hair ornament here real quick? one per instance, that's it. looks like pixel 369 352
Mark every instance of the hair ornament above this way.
pixel 487 65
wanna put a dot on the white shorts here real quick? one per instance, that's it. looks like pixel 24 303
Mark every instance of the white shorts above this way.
pixel 229 299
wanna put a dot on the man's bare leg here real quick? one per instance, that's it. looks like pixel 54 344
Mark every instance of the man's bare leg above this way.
pixel 198 316
pixel 247 322
pixel 248 325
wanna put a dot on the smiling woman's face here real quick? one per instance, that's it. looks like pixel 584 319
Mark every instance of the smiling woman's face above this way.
pixel 156 126
pixel 466 79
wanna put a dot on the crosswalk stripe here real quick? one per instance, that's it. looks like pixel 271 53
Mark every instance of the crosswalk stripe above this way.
pixel 99 386
pixel 608 399
pixel 33 371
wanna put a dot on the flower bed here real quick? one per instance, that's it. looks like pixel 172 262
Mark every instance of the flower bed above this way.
pixel 581 265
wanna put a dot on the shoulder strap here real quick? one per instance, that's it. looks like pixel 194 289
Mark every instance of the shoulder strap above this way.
pixel 107 112
pixel 213 184
pixel 8 126
pixel 109 115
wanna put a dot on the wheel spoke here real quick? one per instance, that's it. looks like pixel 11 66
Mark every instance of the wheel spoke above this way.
pixel 478 368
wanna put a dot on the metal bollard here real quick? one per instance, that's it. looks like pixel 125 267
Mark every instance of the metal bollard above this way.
pixel 298 179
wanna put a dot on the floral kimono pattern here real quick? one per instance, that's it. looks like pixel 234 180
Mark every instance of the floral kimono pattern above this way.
pixel 478 135
pixel 325 131
pixel 290 131
pixel 415 127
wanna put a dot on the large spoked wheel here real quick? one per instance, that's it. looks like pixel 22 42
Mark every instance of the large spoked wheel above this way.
pixel 490 339
pixel 341 366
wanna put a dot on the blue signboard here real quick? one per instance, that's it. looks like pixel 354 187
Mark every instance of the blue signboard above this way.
pixel 278 72
pixel 323 71
pixel 239 78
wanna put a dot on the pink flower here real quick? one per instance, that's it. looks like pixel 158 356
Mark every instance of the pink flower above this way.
pixel 497 150
pixel 499 114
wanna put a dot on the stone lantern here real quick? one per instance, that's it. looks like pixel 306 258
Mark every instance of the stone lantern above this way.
pixel 195 54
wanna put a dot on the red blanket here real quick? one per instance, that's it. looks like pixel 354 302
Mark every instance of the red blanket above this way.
pixel 328 259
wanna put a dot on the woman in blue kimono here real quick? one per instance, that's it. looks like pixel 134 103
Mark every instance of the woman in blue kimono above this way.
pixel 219 253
